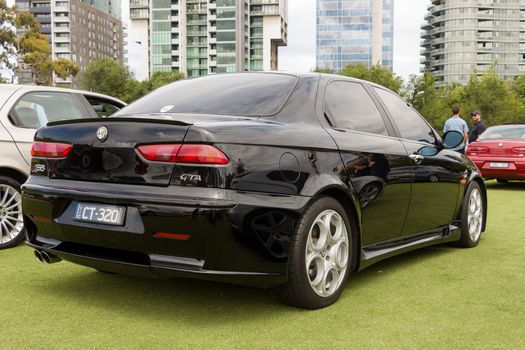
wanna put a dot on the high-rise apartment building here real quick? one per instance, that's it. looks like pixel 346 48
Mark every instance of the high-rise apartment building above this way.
pixel 79 30
pixel 463 36
pixel 200 37
pixel 355 32
pixel 112 7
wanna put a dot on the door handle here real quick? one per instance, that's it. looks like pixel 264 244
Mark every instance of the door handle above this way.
pixel 416 158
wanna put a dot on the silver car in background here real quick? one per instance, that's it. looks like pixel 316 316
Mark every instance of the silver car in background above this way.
pixel 23 109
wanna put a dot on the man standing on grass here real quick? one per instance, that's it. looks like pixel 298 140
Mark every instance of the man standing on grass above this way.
pixel 456 123
pixel 478 127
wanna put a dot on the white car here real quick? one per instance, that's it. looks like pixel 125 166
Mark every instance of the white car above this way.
pixel 23 109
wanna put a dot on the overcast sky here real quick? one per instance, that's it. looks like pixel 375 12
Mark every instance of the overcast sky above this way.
pixel 299 55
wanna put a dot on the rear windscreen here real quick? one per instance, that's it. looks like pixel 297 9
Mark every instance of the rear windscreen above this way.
pixel 250 94
pixel 504 133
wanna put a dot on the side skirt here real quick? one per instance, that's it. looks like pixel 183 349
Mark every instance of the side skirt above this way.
pixel 379 251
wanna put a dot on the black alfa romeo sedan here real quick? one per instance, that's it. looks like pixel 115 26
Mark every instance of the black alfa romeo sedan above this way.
pixel 264 179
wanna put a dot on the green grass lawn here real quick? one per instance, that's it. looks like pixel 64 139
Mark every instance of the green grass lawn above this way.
pixel 436 298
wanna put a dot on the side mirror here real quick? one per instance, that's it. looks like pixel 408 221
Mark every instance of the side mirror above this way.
pixel 427 151
pixel 452 139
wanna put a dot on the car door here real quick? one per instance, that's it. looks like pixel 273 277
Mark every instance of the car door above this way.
pixel 435 179
pixel 375 162
pixel 35 109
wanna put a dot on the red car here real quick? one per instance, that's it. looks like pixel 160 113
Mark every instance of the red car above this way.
pixel 499 153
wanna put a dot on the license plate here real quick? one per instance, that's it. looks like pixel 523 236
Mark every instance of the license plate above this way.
pixel 499 165
pixel 100 214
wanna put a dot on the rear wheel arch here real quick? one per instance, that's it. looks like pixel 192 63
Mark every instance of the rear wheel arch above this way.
pixel 472 211
pixel 320 260
pixel 13 174
pixel 353 211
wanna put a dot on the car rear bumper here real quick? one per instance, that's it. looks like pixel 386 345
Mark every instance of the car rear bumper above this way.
pixel 514 171
pixel 163 267
pixel 223 244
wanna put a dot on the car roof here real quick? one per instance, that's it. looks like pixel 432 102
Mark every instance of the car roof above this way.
pixel 301 75
pixel 28 88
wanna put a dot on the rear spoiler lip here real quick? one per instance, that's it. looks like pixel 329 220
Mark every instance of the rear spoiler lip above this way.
pixel 120 119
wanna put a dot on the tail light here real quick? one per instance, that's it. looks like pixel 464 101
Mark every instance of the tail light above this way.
pixel 475 150
pixel 50 149
pixel 160 153
pixel 177 153
pixel 520 150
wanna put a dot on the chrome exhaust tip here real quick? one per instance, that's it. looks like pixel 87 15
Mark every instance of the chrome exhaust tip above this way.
pixel 46 257
pixel 38 255
pixel 50 258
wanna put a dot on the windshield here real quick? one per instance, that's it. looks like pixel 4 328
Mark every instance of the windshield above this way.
pixel 504 133
pixel 245 94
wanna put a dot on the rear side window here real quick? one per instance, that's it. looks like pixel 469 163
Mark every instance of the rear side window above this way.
pixel 511 132
pixel 410 124
pixel 103 108
pixel 229 94
pixel 348 106
pixel 36 109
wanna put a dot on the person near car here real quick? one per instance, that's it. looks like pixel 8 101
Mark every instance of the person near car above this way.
pixel 478 127
pixel 456 123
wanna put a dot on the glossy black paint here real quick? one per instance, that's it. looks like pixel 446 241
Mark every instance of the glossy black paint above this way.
pixel 240 217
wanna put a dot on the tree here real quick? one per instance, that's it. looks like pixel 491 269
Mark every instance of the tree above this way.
pixel 421 93
pixel 34 48
pixel 493 97
pixel 518 86
pixel 134 90
pixel 499 101
pixel 106 76
pixel 137 89
pixel 31 48
pixel 323 70
pixel 8 39
pixel 64 68
pixel 159 79
pixel 35 51
pixel 376 74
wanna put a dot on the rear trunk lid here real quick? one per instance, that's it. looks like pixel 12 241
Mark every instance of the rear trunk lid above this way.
pixel 104 150
pixel 497 148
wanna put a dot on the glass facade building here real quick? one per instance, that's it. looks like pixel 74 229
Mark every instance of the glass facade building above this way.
pixel 161 35
pixel 355 31
pixel 226 36
pixel 200 37
pixel 463 36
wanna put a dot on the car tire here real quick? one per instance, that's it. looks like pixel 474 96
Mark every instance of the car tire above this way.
pixel 472 214
pixel 320 256
pixel 502 181
pixel 12 230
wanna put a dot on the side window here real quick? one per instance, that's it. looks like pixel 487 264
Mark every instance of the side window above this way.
pixel 36 109
pixel 410 124
pixel 348 106
pixel 103 108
